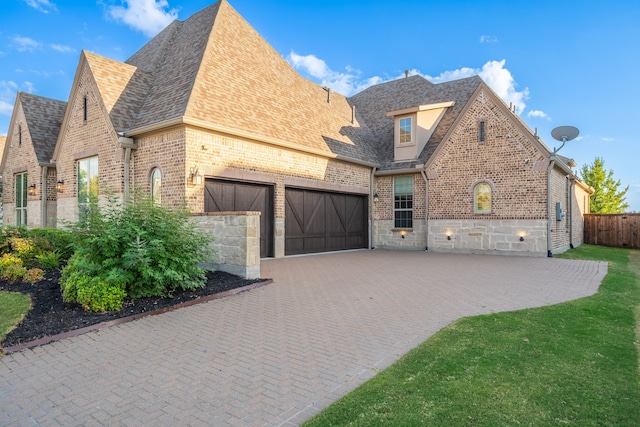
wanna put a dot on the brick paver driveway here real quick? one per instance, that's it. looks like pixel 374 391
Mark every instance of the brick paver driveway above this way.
pixel 278 354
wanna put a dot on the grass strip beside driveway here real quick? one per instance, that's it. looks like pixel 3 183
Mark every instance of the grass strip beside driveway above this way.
pixel 574 363
pixel 13 307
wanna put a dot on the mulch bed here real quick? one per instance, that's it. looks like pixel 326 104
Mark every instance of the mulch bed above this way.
pixel 50 316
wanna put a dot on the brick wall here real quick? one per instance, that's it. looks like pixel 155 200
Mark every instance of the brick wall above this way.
pixel 21 158
pixel 83 139
pixel 507 159
pixel 559 193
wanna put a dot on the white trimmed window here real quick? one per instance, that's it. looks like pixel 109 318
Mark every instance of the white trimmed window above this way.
pixel 403 201
pixel 21 199
pixel 156 186
pixel 482 198
pixel 406 130
pixel 87 180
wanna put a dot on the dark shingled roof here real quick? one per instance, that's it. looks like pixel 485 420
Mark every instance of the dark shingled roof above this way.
pixel 43 118
pixel 375 102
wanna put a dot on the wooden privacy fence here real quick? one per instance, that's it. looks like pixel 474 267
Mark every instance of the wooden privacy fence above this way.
pixel 619 230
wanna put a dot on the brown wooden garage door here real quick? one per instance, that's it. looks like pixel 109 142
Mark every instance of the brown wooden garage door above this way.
pixel 320 221
pixel 223 196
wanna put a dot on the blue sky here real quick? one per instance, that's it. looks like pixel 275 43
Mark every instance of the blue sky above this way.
pixel 559 62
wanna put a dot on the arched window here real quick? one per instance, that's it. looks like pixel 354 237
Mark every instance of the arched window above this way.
pixel 156 186
pixel 482 198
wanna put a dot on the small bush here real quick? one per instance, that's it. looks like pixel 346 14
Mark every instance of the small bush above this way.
pixel 33 275
pixel 97 295
pixel 23 248
pixel 11 268
pixel 150 249
pixel 49 260
pixel 58 240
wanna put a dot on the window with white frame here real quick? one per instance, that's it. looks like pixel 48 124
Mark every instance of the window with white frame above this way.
pixel 156 186
pixel 482 198
pixel 406 130
pixel 403 201
pixel 87 180
pixel 21 198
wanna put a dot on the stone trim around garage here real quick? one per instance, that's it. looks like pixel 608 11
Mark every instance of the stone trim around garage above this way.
pixel 237 241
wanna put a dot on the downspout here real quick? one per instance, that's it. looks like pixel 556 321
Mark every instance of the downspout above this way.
pixel 43 204
pixel 128 144
pixel 372 192
pixel 553 162
pixel 426 209
pixel 571 183
pixel 127 160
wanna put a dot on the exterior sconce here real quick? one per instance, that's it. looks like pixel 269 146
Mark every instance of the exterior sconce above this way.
pixel 60 186
pixel 32 190
pixel 448 236
pixel 402 233
pixel 376 198
pixel 194 177
pixel 522 238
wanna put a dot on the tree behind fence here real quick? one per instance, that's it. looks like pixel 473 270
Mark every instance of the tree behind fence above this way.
pixel 618 230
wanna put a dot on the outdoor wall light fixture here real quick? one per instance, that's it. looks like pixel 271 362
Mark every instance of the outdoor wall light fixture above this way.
pixel 448 236
pixel 376 198
pixel 402 233
pixel 32 190
pixel 522 238
pixel 60 186
pixel 194 177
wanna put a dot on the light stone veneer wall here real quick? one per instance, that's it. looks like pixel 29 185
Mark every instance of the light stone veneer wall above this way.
pixel 489 236
pixel 386 237
pixel 237 241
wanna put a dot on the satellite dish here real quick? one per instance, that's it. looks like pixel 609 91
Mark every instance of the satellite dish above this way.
pixel 564 134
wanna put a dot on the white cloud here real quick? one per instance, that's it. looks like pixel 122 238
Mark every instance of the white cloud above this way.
pixel 43 6
pixel 345 83
pixel 607 139
pixel 538 114
pixel 7 96
pixel 147 16
pixel 488 39
pixel 496 76
pixel 350 82
pixel 26 44
pixel 62 48
pixel 5 108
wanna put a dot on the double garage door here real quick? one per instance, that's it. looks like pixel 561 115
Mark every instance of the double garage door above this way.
pixel 316 221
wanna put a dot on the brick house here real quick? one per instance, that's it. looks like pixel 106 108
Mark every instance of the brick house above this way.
pixel 29 178
pixel 209 113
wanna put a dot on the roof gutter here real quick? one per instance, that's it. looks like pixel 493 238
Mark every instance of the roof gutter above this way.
pixel 248 135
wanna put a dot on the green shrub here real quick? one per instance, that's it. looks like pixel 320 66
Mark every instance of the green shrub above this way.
pixel 11 268
pixel 99 296
pixel 24 248
pixel 60 241
pixel 7 234
pixel 150 249
pixel 49 260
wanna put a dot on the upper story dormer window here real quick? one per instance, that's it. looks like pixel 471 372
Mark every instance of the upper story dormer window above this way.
pixel 406 130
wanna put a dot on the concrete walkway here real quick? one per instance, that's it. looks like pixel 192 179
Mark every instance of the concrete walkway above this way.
pixel 278 354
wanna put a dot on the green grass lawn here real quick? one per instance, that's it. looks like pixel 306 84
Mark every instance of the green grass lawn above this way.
pixel 574 364
pixel 13 307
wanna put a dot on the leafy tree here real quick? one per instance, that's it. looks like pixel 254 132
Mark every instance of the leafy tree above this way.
pixel 607 198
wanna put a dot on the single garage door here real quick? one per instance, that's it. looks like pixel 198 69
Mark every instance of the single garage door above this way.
pixel 232 196
pixel 319 221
